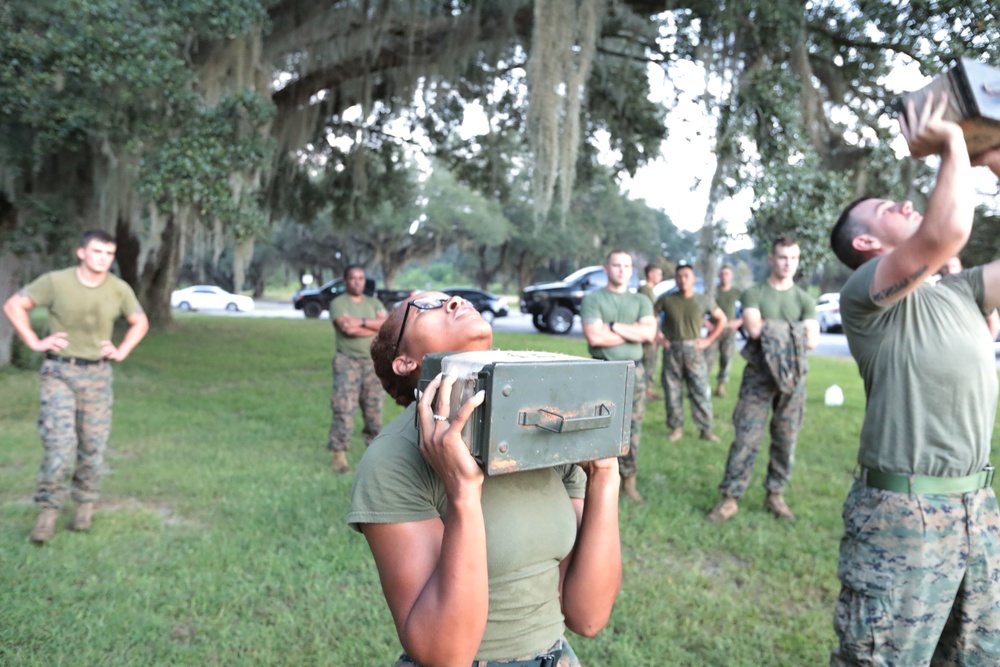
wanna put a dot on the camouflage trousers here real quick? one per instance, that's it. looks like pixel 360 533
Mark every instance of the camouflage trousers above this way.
pixel 74 422
pixel 920 580
pixel 650 355
pixel 354 384
pixel 567 657
pixel 684 364
pixel 758 394
pixel 628 464
pixel 724 347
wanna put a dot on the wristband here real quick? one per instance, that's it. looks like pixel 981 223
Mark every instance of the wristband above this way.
pixel 611 326
pixel 364 323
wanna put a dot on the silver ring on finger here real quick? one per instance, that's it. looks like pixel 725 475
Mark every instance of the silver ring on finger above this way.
pixel 439 418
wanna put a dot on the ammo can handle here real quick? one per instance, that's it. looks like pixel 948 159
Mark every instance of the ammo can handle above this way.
pixel 557 423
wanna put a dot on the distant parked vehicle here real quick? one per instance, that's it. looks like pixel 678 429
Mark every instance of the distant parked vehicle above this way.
pixel 828 312
pixel 209 297
pixel 489 305
pixel 312 301
pixel 553 306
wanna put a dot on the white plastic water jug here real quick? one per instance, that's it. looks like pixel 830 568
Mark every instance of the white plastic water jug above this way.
pixel 834 395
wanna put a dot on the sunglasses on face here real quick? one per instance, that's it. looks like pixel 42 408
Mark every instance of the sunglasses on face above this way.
pixel 419 304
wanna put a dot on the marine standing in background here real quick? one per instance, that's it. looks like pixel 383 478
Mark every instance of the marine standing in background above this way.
pixel 76 377
pixel 616 322
pixel 780 320
pixel 726 297
pixel 356 318
pixel 683 314
pixel 654 276
pixel 920 555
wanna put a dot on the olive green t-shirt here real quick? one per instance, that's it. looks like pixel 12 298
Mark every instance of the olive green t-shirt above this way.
pixel 356 347
pixel 86 314
pixel 727 301
pixel 530 529
pixel 606 306
pixel 930 375
pixel 647 291
pixel 792 305
pixel 683 317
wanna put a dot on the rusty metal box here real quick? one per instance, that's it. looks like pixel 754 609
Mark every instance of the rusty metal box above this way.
pixel 541 409
pixel 973 101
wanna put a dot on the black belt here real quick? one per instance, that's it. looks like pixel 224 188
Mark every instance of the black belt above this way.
pixel 550 659
pixel 76 361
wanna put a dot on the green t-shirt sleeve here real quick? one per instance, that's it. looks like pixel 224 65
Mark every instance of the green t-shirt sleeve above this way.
pixel 575 481
pixel 590 309
pixel 751 298
pixel 41 290
pixel 393 482
pixel 808 305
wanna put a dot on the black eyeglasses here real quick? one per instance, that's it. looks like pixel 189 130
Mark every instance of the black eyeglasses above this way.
pixel 419 304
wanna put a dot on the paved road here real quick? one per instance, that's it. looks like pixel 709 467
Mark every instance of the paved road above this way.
pixel 830 345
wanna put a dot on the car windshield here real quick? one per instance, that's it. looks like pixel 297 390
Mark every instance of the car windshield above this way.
pixel 580 273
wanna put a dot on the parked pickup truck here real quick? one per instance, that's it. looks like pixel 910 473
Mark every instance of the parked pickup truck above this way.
pixel 312 301
pixel 553 306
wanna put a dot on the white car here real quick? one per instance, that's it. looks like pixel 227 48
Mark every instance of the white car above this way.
pixel 209 297
pixel 828 312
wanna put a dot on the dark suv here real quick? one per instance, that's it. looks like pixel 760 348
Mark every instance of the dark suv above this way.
pixel 553 306
pixel 312 301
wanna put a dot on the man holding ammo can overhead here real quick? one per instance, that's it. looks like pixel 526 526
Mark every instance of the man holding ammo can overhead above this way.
pixel 920 555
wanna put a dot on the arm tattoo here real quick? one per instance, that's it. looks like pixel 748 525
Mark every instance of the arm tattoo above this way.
pixel 893 290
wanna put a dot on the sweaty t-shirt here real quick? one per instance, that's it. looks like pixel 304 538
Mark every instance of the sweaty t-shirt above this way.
pixel 530 528
pixel 356 347
pixel 727 301
pixel 930 375
pixel 607 306
pixel 683 317
pixel 86 314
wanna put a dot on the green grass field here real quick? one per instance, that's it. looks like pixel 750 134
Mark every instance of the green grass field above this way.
pixel 221 535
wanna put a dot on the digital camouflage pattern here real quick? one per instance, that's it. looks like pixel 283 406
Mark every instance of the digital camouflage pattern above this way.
pixel 650 355
pixel 567 658
pixel 74 422
pixel 354 384
pixel 920 579
pixel 758 395
pixel 724 347
pixel 684 364
pixel 628 464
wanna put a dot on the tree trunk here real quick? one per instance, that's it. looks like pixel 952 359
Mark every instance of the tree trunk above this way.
pixel 9 279
pixel 159 273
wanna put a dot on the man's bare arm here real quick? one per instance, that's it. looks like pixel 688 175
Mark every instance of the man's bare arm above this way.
pixel 16 309
pixel 947 220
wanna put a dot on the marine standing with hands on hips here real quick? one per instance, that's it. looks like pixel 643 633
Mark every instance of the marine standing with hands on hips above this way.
pixel 491 569
pixel 76 393
pixel 920 555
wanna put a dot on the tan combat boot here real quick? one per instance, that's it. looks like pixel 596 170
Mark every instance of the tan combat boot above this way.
pixel 725 510
pixel 720 391
pixel 775 504
pixel 707 434
pixel 676 434
pixel 45 527
pixel 340 465
pixel 83 518
pixel 628 488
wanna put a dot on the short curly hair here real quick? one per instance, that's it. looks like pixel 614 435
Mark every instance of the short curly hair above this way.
pixel 383 347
